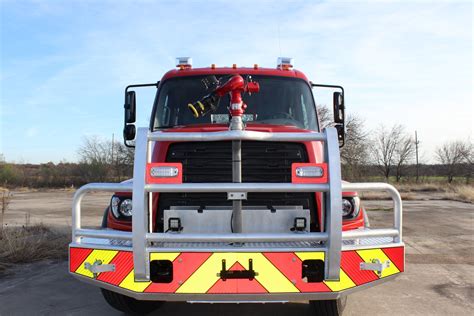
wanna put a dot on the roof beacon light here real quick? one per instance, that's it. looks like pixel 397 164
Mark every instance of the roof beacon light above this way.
pixel 184 62
pixel 285 63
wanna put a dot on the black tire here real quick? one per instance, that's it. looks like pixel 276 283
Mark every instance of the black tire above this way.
pixel 329 307
pixel 104 219
pixel 129 305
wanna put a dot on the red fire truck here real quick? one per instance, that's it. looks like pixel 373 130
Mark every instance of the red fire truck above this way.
pixel 236 196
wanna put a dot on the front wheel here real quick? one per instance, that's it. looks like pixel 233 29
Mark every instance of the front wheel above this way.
pixel 328 307
pixel 129 305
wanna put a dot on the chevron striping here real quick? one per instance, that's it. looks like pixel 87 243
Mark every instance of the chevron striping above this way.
pixel 368 255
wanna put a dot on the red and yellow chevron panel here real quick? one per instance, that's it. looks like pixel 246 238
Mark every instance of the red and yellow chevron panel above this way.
pixel 198 272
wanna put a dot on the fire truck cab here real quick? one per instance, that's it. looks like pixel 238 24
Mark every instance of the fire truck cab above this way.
pixel 236 196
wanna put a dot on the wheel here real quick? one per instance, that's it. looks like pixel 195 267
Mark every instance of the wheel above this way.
pixel 129 305
pixel 329 307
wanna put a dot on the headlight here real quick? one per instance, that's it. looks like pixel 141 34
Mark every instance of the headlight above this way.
pixel 350 207
pixel 121 207
pixel 347 207
pixel 126 207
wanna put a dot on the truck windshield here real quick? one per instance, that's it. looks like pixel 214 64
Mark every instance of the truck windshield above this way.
pixel 281 101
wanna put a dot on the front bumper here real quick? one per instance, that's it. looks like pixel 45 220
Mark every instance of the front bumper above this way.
pixel 279 273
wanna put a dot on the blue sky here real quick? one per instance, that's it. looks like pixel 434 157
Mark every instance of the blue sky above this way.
pixel 64 64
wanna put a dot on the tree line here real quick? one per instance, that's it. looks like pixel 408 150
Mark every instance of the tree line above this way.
pixel 387 153
pixel 100 160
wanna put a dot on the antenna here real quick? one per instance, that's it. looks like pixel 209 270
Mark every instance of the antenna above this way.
pixel 279 41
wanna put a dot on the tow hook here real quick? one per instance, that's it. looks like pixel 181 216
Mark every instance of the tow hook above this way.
pixel 237 274
pixel 375 265
pixel 97 267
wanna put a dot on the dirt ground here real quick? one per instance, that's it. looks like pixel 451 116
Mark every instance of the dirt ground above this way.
pixel 439 276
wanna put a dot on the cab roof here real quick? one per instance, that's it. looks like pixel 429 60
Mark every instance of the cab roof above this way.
pixel 237 70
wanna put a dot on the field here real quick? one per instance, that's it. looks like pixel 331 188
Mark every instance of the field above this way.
pixel 439 278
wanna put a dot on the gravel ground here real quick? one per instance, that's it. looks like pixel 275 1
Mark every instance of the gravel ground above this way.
pixel 439 276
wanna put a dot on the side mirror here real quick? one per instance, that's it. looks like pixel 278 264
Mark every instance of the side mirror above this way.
pixel 338 107
pixel 130 107
pixel 341 134
pixel 339 116
pixel 129 132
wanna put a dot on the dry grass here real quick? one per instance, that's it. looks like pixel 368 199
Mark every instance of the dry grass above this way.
pixel 427 191
pixel 5 199
pixel 420 187
pixel 29 244
pixel 385 196
pixel 463 193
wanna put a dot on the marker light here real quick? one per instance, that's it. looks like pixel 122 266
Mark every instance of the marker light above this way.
pixel 309 173
pixel 164 172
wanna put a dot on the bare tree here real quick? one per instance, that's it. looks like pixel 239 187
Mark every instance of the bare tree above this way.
pixel 384 147
pixel 452 155
pixel 469 160
pixel 324 115
pixel 355 151
pixel 95 150
pixel 102 159
pixel 404 151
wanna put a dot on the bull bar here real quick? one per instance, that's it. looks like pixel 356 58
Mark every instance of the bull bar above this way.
pixel 144 241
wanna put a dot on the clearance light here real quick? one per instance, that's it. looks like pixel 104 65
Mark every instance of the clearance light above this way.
pixel 164 173
pixel 309 173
